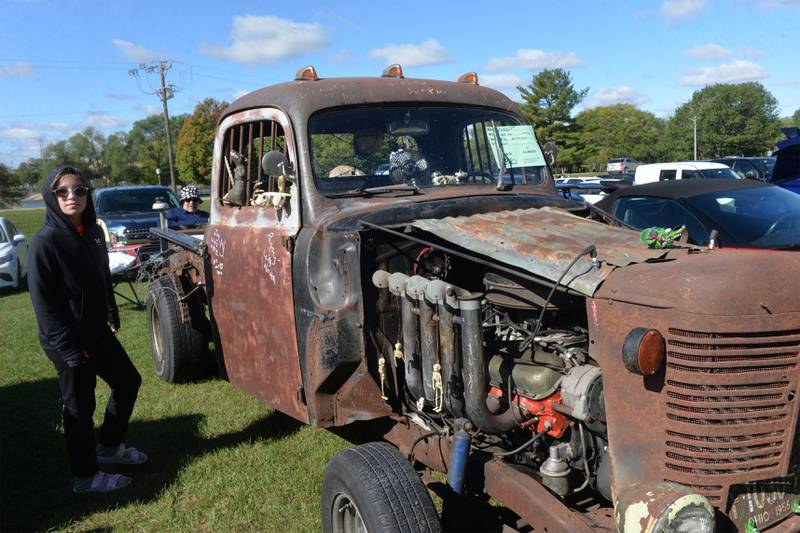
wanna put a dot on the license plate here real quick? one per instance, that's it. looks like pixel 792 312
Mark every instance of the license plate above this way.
pixel 762 503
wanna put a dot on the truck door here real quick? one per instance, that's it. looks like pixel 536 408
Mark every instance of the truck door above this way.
pixel 250 247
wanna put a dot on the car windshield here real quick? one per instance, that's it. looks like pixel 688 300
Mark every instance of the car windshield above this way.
pixel 767 162
pixel 402 148
pixel 762 217
pixel 724 173
pixel 3 235
pixel 126 201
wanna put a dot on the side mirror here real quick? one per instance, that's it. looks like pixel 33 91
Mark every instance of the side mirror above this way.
pixel 550 152
pixel 19 238
pixel 275 164
pixel 750 174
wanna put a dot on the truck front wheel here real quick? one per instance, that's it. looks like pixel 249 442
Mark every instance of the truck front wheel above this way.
pixel 373 488
pixel 180 349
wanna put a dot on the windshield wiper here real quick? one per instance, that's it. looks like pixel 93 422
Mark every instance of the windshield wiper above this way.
pixel 371 191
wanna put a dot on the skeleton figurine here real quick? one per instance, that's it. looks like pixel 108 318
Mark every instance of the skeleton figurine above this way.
pixel 238 193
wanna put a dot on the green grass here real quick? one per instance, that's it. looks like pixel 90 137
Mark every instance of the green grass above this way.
pixel 219 460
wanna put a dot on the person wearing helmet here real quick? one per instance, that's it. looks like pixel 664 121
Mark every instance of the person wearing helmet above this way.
pixel 188 215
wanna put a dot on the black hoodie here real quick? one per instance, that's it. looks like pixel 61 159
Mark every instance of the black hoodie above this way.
pixel 69 280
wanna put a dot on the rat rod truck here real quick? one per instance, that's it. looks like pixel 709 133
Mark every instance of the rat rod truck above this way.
pixel 394 249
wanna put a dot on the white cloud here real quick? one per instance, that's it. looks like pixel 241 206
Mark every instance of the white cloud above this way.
pixel 120 96
pixel 18 134
pixel 751 52
pixel 59 126
pixel 500 81
pixel 733 72
pixel 708 51
pixel 136 52
pixel 621 94
pixel 103 121
pixel 268 39
pixel 428 52
pixel 19 69
pixel 340 57
pixel 679 10
pixel 534 60
pixel 148 110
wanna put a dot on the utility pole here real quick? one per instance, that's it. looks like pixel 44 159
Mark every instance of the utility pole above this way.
pixel 164 93
pixel 694 121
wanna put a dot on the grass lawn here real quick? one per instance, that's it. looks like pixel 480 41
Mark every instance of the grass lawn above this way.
pixel 219 460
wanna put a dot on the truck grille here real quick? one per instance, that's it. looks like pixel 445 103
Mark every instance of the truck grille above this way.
pixel 137 233
pixel 730 407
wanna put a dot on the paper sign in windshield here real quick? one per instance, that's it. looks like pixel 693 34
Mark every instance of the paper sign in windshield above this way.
pixel 519 146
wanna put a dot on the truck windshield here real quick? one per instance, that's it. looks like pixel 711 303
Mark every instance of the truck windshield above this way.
pixel 126 201
pixel 361 148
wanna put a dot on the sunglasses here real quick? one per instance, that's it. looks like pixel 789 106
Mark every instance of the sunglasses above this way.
pixel 192 200
pixel 63 192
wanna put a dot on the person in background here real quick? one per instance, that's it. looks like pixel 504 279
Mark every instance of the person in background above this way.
pixel 72 296
pixel 188 215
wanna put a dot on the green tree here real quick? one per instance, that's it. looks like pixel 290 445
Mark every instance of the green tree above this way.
pixel 10 191
pixel 732 119
pixel 148 141
pixel 119 158
pixel 796 118
pixel 194 152
pixel 619 130
pixel 548 102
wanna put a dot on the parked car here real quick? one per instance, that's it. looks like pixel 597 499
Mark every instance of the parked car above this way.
pixel 744 167
pixel 745 213
pixel 787 164
pixel 126 215
pixel 13 255
pixel 593 189
pixel 681 170
pixel 622 164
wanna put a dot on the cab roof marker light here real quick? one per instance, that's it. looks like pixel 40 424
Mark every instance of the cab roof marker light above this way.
pixel 393 71
pixel 307 73
pixel 469 77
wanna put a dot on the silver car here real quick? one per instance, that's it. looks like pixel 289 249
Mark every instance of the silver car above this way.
pixel 13 255
pixel 622 164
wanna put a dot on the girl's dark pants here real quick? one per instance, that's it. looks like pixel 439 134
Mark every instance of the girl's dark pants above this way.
pixel 108 360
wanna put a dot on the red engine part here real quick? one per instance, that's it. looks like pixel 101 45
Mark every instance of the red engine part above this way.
pixel 539 412
pixel 544 412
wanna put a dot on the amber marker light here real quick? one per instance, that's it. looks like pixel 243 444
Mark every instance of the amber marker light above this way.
pixel 393 71
pixel 308 73
pixel 469 77
pixel 643 351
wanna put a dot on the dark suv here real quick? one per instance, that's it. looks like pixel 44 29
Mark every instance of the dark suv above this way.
pixel 126 213
pixel 754 168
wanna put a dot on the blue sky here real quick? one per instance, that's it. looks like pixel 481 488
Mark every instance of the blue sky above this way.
pixel 64 64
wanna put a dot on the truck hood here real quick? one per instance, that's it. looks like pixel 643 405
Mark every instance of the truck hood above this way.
pixel 130 219
pixel 544 241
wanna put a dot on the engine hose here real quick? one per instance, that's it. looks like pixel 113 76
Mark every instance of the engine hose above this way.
pixel 520 447
pixel 474 372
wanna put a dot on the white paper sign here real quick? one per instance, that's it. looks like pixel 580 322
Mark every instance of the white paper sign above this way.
pixel 519 146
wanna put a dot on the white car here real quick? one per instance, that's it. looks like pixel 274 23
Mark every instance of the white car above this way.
pixel 13 255
pixel 681 170
pixel 622 164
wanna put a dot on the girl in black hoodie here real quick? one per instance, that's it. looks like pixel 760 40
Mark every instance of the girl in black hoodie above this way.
pixel 71 291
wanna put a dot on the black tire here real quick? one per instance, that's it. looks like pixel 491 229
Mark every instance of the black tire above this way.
pixel 180 351
pixel 373 488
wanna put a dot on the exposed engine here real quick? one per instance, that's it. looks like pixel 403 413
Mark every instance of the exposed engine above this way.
pixel 515 362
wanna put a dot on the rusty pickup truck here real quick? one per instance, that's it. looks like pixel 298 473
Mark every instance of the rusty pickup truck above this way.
pixel 394 250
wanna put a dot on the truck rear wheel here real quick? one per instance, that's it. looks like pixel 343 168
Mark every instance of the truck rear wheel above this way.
pixel 373 488
pixel 180 350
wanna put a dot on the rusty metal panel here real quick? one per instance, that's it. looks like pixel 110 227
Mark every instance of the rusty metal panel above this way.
pixel 544 241
pixel 532 502
pixel 253 307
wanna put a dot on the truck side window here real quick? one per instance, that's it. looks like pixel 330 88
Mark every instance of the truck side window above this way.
pixel 243 148
pixel 644 212
pixel 666 175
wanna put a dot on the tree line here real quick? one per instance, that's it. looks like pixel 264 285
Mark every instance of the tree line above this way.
pixel 731 119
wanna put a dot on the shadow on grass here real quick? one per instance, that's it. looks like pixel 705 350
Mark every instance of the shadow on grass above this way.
pixel 36 483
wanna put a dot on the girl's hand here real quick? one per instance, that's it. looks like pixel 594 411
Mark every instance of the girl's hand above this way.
pixel 113 329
